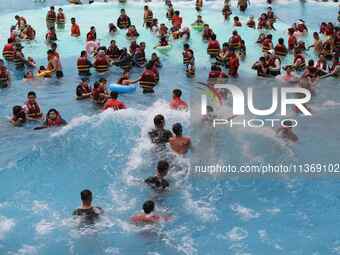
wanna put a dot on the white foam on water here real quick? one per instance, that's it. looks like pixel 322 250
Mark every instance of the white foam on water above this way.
pixel 243 212
pixel 273 211
pixel 263 235
pixel 44 227
pixel 26 250
pixel 112 251
pixel 39 206
pixel 6 225
pixel 75 122
pixel 199 208
pixel 237 234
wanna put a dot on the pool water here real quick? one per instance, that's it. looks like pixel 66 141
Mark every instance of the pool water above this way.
pixel 42 172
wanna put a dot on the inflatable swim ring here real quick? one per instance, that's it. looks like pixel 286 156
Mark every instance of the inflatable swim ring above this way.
pixel 44 74
pixel 164 48
pixel 122 89
pixel 197 27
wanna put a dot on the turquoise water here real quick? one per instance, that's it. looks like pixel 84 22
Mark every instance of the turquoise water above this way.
pixel 108 152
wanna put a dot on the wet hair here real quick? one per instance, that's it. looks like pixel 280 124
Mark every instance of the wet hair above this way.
pixel 86 195
pixel 31 93
pixel 148 206
pixel 311 63
pixel 73 19
pixel 16 110
pixel 210 108
pixel 158 120
pixel 114 95
pixel 177 92
pixel 92 27
pixel 10 40
pixel 236 18
pixel 269 36
pixel 213 37
pixel 96 85
pixel 176 13
pixel 186 46
pixel 281 40
pixel 163 167
pixel 49 112
pixel 102 80
pixel 234 32
pixel 177 129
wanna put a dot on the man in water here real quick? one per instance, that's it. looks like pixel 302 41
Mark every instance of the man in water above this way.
pixel 158 182
pixel 87 212
pixel 160 135
pixel 148 216
pixel 179 143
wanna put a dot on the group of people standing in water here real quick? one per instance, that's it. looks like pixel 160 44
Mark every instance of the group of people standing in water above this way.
pixel 224 56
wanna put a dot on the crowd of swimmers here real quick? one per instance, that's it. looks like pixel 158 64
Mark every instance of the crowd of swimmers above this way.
pixel 226 59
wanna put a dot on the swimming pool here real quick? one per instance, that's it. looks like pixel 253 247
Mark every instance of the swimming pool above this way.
pixel 42 172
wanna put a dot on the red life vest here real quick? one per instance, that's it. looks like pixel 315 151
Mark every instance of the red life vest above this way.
pixel 213 48
pixel 123 21
pixel 233 65
pixel 61 18
pixel 56 122
pixel 251 24
pixel 83 64
pixel 280 50
pixel 266 45
pixel 51 16
pixel 132 33
pixel 115 104
pixel 235 42
pixel 101 64
pixel 113 52
pixel 291 42
pixel 262 23
pixel 140 56
pixel 207 33
pixel 216 74
pixel 148 80
pixel 8 52
pixel 32 108
pixel 91 36
pixel 148 17
pixel 4 74
pixel 30 33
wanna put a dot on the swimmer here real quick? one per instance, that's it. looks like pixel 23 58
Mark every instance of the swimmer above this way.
pixel 43 69
pixel 88 213
pixel 5 77
pixel 237 22
pixel 19 117
pixel 99 92
pixel 157 182
pixel 334 70
pixel 28 76
pixel 286 131
pixel 251 22
pixel 289 76
pixel 83 90
pixel 177 103
pixel 114 103
pixel 159 135
pixel 148 216
pixel 163 42
pixel 179 143
pixel 31 62
pixel 198 21
pixel 32 108
pixel 53 119
pixel 112 28
pixel 75 29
